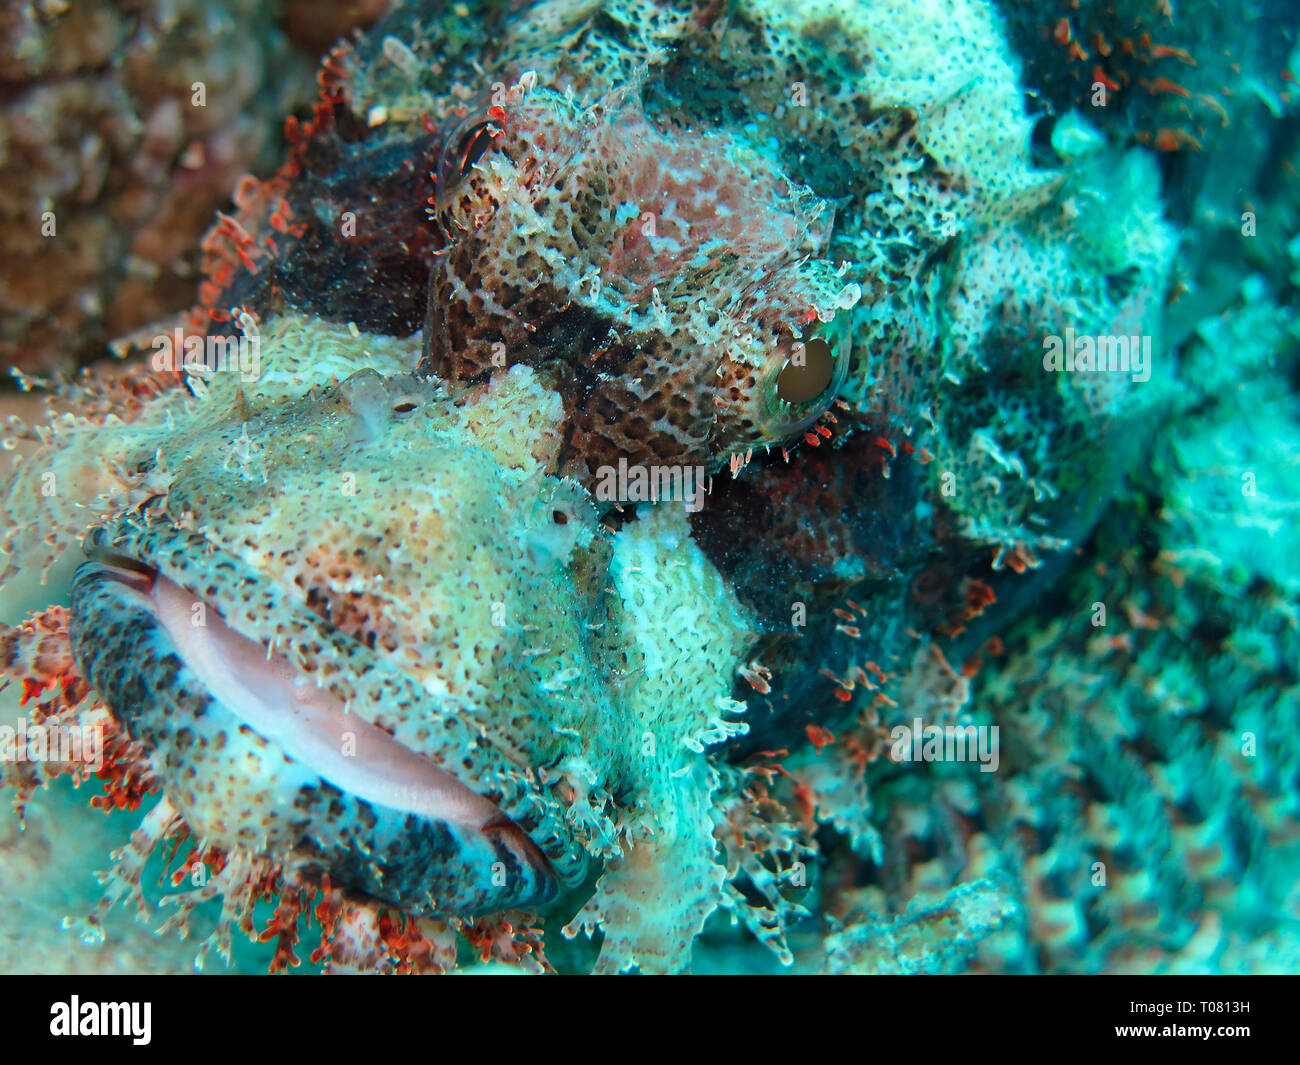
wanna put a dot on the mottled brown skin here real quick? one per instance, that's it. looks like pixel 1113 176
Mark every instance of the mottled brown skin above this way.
pixel 700 252
pixel 439 231
pixel 662 282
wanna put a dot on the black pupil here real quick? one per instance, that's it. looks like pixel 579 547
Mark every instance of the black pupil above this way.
pixel 476 142
pixel 805 378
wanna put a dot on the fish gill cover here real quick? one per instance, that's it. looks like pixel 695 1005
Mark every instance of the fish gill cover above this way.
pixel 651 485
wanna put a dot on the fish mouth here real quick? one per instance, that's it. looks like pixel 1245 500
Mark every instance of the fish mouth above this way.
pixel 411 833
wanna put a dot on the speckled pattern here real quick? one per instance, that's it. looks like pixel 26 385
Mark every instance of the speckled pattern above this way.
pixel 492 264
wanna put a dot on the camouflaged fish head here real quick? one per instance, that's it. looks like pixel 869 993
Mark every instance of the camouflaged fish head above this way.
pixel 366 642
pixel 360 620
pixel 331 659
pixel 345 641
pixel 669 279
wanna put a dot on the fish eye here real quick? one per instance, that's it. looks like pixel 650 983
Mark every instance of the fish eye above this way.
pixel 472 145
pixel 808 372
pixel 464 147
pixel 811 371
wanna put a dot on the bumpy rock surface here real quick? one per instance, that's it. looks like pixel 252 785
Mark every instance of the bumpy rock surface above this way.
pixel 124 127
